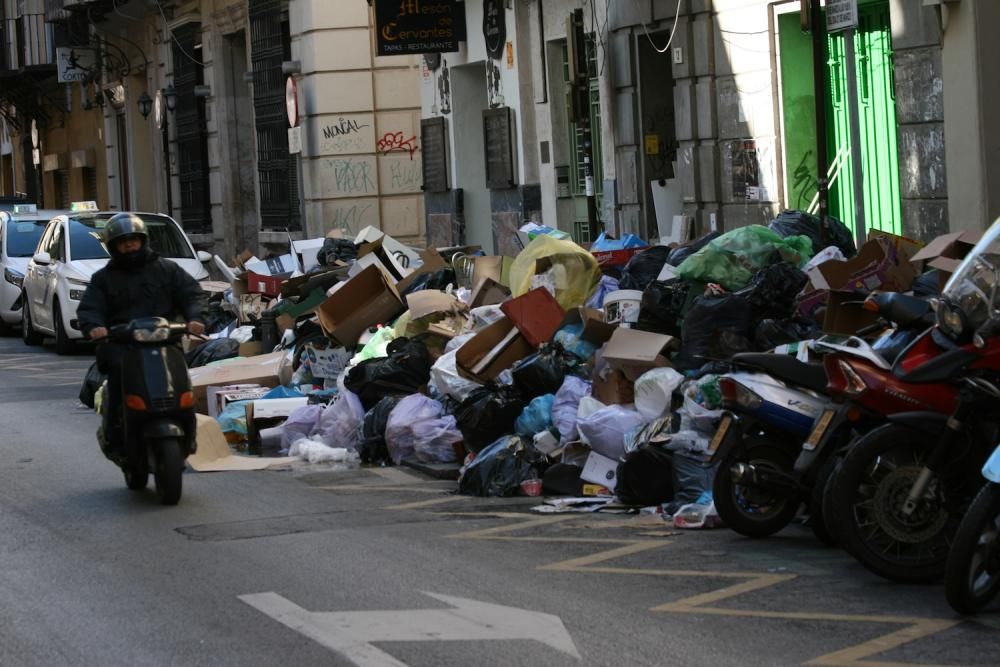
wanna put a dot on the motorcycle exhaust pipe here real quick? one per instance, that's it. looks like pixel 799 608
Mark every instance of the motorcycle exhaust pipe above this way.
pixel 747 474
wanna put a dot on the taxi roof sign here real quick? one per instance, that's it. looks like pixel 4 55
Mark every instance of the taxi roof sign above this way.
pixel 25 208
pixel 84 206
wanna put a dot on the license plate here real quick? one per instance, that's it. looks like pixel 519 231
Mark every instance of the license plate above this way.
pixel 819 430
pixel 720 434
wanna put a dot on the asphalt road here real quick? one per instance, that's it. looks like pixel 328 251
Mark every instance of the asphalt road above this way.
pixel 265 568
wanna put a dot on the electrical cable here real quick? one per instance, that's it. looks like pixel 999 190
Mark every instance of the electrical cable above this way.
pixel 170 32
pixel 673 29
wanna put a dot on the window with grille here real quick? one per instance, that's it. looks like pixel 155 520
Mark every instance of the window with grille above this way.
pixel 270 44
pixel 89 184
pixel 60 183
pixel 192 138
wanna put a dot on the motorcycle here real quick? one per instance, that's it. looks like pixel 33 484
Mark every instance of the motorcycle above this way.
pixel 772 453
pixel 972 574
pixel 158 416
pixel 899 493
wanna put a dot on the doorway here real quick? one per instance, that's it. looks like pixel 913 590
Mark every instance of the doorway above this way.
pixel 469 100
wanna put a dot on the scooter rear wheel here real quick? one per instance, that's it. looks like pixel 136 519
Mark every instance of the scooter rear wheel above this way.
pixel 754 512
pixel 972 577
pixel 169 470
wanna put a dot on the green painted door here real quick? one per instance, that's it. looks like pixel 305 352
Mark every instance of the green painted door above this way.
pixel 877 111
pixel 877 102
pixel 577 181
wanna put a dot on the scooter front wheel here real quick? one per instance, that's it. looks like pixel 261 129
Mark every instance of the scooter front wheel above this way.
pixel 169 470
pixel 972 577
pixel 136 476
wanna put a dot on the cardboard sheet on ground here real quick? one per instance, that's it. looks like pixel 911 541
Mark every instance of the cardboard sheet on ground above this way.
pixel 214 455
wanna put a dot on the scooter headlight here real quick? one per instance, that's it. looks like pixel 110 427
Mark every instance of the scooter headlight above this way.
pixel 151 335
pixel 950 319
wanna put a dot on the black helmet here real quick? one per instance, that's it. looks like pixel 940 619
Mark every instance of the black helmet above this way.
pixel 122 225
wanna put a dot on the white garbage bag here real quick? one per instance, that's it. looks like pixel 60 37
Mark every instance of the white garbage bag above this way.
pixel 567 405
pixel 654 392
pixel 417 430
pixel 604 430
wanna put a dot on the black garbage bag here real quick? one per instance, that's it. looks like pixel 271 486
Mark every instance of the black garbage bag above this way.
pixel 438 280
pixel 773 289
pixel 643 268
pixel 708 319
pixel 823 235
pixel 488 413
pixel 563 479
pixel 770 333
pixel 645 477
pixel 218 319
pixel 372 447
pixel 213 350
pixel 927 284
pixel 91 385
pixel 682 252
pixel 499 469
pixel 662 307
pixel 403 372
pixel 544 371
pixel 336 249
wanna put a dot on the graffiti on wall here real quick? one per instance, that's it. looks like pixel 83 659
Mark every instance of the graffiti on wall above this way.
pixel 397 142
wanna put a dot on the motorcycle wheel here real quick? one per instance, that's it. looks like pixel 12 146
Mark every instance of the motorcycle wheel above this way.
pixel 817 519
pixel 972 577
pixel 866 507
pixel 169 471
pixel 754 512
pixel 136 475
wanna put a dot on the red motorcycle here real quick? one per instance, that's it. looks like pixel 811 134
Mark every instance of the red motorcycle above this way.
pixel 899 493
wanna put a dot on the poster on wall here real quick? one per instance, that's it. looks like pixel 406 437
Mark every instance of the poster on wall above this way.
pixel 407 27
pixel 746 170
pixel 494 28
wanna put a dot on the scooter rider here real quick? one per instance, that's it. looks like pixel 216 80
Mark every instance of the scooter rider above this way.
pixel 135 283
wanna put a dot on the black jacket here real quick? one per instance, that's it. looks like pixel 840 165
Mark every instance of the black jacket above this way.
pixel 156 288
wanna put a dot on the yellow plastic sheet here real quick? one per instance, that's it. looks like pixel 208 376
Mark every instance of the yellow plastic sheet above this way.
pixel 571 269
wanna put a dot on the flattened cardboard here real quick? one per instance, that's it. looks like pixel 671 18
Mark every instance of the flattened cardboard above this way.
pixel 431 302
pixel 537 315
pixel 634 352
pixel 367 299
pixel 214 455
pixel 486 343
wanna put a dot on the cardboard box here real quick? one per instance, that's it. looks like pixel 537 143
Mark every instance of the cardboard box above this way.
pixel 612 388
pixel 272 266
pixel 492 351
pixel 844 314
pixel 214 395
pixel 634 352
pixel 264 370
pixel 367 299
pixel 305 253
pixel 251 348
pixel 266 285
pixel 600 470
pixel 489 293
pixel 537 315
pixel 609 258
pixel 326 363
pixel 406 256
pixel 595 329
pixel 431 262
pixel 946 252
pixel 882 263
pixel 495 267
pixel 268 413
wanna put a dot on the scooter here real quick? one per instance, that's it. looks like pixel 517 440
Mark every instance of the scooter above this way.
pixel 972 574
pixel 773 456
pixel 900 492
pixel 158 416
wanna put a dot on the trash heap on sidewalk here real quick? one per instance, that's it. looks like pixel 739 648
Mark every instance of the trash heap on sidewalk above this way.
pixel 583 372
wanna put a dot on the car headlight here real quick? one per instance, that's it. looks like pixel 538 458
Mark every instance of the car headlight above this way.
pixel 151 335
pixel 950 320
pixel 15 278
pixel 76 289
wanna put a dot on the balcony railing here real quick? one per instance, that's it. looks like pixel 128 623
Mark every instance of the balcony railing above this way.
pixel 27 41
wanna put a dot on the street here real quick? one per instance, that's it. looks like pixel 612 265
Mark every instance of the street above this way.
pixel 262 568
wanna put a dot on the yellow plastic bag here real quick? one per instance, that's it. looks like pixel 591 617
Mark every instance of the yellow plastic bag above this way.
pixel 573 271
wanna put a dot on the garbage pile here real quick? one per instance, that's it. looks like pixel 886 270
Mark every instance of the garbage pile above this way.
pixel 588 372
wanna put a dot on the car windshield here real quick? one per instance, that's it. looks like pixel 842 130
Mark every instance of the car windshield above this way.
pixel 164 237
pixel 22 237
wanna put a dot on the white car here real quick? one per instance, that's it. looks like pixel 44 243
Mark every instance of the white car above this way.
pixel 20 230
pixel 69 253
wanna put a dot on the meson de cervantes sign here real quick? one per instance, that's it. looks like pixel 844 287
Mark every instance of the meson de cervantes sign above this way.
pixel 419 26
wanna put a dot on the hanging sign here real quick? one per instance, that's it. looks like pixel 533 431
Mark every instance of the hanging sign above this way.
pixel 406 27
pixel 75 63
pixel 841 15
pixel 494 27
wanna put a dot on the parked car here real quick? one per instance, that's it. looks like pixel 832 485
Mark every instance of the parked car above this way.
pixel 21 227
pixel 69 252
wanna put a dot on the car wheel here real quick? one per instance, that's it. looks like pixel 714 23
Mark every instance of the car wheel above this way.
pixel 28 333
pixel 64 344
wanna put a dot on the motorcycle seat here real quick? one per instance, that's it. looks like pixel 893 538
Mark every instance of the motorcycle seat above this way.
pixel 786 368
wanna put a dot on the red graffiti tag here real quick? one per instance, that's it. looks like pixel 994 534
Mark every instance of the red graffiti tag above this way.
pixel 396 142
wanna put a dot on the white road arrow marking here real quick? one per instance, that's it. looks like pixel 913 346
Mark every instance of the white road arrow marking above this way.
pixel 351 633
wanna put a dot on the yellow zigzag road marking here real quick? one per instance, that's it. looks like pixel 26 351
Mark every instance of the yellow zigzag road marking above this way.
pixel 854 656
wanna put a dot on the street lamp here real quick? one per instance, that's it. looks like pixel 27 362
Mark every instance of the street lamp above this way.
pixel 170 97
pixel 145 105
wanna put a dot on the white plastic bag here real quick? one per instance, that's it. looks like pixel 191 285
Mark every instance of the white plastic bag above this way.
pixel 300 424
pixel 825 255
pixel 446 379
pixel 315 451
pixel 698 424
pixel 567 405
pixel 242 334
pixel 482 317
pixel 339 423
pixel 416 430
pixel 604 430
pixel 654 392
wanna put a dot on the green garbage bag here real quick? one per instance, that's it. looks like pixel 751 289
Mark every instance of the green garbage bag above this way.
pixel 732 259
